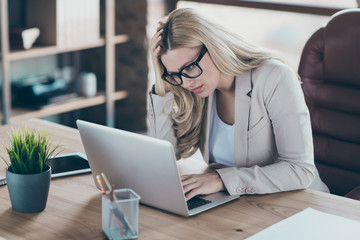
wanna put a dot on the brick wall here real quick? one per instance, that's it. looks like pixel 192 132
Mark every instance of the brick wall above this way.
pixel 131 67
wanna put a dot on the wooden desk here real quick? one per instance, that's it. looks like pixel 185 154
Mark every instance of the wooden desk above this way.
pixel 74 207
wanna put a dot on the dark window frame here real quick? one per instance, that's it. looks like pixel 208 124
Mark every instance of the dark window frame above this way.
pixel 269 5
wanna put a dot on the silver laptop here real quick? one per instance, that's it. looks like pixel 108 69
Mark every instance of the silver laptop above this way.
pixel 145 164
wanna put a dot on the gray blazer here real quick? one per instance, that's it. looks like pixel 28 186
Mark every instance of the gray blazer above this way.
pixel 273 139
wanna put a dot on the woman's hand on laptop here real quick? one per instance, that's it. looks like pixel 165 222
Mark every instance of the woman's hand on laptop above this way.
pixel 196 184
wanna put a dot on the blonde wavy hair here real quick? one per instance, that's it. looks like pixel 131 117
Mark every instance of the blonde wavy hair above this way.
pixel 232 55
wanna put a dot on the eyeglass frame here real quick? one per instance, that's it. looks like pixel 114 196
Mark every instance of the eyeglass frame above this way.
pixel 180 73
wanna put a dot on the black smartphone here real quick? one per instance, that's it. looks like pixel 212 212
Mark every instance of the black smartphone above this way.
pixel 69 164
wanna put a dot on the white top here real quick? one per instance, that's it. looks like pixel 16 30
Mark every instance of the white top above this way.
pixel 221 142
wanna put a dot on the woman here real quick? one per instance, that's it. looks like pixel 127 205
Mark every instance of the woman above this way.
pixel 237 103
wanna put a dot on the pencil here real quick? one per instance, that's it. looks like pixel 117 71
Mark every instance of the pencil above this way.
pixel 98 178
pixel 112 193
pixel 106 180
pixel 117 222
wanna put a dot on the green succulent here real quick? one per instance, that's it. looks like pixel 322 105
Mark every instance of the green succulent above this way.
pixel 30 152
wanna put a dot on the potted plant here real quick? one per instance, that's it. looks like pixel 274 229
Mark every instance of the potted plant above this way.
pixel 28 173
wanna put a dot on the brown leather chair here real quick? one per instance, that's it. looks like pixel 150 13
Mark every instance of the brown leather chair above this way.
pixel 330 72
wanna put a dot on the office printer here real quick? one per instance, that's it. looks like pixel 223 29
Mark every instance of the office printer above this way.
pixel 40 90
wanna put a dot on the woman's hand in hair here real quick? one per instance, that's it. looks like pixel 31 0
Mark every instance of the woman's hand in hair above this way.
pixel 198 184
pixel 154 51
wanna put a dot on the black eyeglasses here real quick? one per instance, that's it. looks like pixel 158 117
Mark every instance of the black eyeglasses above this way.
pixel 193 70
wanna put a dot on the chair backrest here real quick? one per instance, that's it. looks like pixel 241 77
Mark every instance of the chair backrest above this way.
pixel 330 72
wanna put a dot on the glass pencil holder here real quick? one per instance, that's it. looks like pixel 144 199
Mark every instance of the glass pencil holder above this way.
pixel 120 214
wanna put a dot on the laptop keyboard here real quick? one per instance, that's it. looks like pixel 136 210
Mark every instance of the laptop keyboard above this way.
pixel 196 202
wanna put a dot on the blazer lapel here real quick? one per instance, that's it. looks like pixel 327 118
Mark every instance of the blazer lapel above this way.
pixel 206 125
pixel 243 88
pixel 242 109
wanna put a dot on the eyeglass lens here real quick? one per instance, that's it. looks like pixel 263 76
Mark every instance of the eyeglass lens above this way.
pixel 191 71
